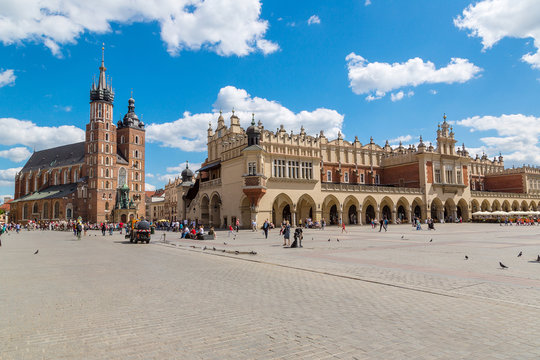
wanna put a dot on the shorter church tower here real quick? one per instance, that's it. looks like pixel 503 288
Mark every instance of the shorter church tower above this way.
pixel 131 140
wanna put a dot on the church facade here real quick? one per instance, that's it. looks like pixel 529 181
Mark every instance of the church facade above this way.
pixel 256 174
pixel 100 179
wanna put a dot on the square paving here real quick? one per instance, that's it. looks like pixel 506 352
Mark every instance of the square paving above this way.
pixel 372 295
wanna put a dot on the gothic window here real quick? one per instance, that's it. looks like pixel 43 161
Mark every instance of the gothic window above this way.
pixel 329 176
pixel 136 176
pixel 107 137
pixel 35 182
pixel 91 136
pixel 136 164
pixel 107 149
pixel 107 124
pixel 91 126
pixel 95 147
pixel 136 139
pixel 346 177
pixel 44 178
pixel 122 140
pixel 106 184
pixel 75 176
pixel 136 154
pixel 56 213
pixel 110 196
pixel 25 211
pixel 100 110
pixel 35 209
pixel 122 176
pixel 69 213
pixel 106 172
pixel 45 210
pixel 136 187
pixel 65 176
pixel 91 173
pixel 56 178
pixel 107 160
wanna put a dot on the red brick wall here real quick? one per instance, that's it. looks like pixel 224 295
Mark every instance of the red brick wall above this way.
pixel 465 175
pixel 429 170
pixel 403 175
pixel 353 179
pixel 507 183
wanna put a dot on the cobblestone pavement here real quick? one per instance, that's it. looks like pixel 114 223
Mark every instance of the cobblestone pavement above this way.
pixel 103 298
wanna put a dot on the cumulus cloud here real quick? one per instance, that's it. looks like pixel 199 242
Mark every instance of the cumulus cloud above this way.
pixel 149 187
pixel 16 154
pixel 314 19
pixel 400 95
pixel 228 27
pixel 367 3
pixel 7 77
pixel 493 20
pixel 7 176
pixel 23 132
pixel 173 172
pixel 517 136
pixel 403 139
pixel 376 79
pixel 188 133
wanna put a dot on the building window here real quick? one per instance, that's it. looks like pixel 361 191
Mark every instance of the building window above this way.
pixel 56 212
pixel 307 170
pixel 252 168
pixel 108 117
pixel 293 169
pixel 107 136
pixel 449 176
pixel 329 176
pixel 122 177
pixel 35 182
pixel 122 139
pixel 136 187
pixel 377 179
pixel 107 124
pixel 459 177
pixel 136 154
pixel 136 139
pixel 100 110
pixel 361 178
pixel 91 136
pixel 346 177
pixel 44 178
pixel 107 160
pixel 136 176
pixel 437 175
pixel 106 172
pixel 279 168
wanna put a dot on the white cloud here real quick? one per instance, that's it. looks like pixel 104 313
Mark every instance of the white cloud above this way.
pixel 67 108
pixel 376 79
pixel 228 27
pixel 367 3
pixel 400 95
pixel 149 187
pixel 433 92
pixel 7 176
pixel 7 77
pixel 27 133
pixel 314 19
pixel 188 133
pixel 16 154
pixel 493 20
pixel 517 136
pixel 403 139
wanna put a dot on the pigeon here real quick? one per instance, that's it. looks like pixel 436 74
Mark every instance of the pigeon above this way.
pixel 402 236
pixel 253 252
pixel 430 240
pixel 538 258
pixel 337 240
pixel 312 239
pixel 223 250
pixel 502 265
pixel 204 248
pixel 466 257
pixel 224 243
pixel 36 251
pixel 213 248
pixel 328 239
pixel 237 252
pixel 520 253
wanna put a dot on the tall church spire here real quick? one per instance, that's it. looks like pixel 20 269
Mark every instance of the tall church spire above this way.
pixel 103 91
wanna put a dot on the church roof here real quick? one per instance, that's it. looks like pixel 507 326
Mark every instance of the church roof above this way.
pixel 51 192
pixel 121 160
pixel 66 155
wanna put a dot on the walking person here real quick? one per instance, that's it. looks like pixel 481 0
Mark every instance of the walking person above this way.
pixel 381 225
pixel 343 228
pixel 266 228
pixel 237 225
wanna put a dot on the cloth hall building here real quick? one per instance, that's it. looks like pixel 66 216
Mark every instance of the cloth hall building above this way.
pixel 258 174
pixel 99 179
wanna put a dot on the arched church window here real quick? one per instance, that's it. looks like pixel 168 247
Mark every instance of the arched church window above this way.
pixel 91 136
pixel 136 139
pixel 122 176
pixel 107 137
pixel 100 110
pixel 107 149
pixel 35 210
pixel 107 160
pixel 107 205
pixel 122 140
pixel 106 172
pixel 106 184
pixel 56 213
pixel 65 177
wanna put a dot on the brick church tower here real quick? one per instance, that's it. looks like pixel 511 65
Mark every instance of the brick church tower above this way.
pixel 100 150
pixel 131 140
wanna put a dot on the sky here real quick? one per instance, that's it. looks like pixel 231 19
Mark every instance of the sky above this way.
pixel 387 69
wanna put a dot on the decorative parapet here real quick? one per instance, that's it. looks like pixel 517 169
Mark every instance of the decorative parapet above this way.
pixel 495 194
pixel 370 189
pixel 254 181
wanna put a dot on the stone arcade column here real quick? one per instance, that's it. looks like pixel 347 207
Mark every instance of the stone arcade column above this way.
pixel 394 215
pixel 360 221
pixel 409 214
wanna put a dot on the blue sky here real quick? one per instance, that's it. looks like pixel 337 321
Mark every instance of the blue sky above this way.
pixel 382 68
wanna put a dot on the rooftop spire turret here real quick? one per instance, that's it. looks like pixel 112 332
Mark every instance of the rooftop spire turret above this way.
pixel 103 91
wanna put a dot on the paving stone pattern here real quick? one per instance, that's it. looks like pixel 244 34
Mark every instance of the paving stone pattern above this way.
pixel 103 298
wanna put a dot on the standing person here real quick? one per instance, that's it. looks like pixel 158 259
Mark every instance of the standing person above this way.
pixel 253 225
pixel 79 230
pixel 103 229
pixel 381 225
pixel 287 234
pixel 237 225
pixel 266 227
pixel 323 224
